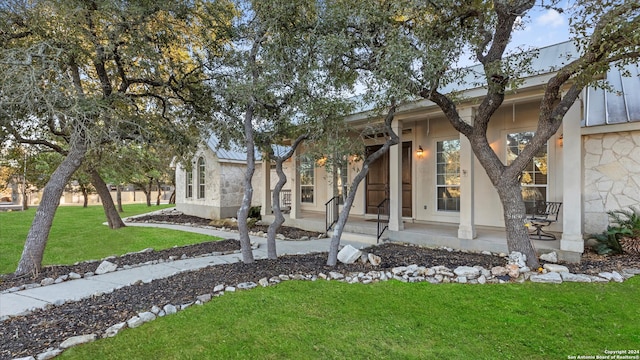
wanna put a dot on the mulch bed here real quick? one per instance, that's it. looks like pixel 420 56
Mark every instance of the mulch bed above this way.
pixel 34 333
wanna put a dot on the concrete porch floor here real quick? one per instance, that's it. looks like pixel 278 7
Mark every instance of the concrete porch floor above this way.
pixel 363 229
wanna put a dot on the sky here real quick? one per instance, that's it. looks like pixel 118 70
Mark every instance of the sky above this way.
pixel 542 27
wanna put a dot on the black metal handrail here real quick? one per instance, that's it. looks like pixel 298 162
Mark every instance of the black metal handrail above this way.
pixel 331 212
pixel 383 210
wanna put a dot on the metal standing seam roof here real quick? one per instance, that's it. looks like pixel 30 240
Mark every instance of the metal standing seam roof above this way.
pixel 617 105
pixel 238 153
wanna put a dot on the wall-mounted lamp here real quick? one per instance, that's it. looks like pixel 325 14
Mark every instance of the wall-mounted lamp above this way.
pixel 420 151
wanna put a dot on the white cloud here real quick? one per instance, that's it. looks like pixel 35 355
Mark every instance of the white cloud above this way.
pixel 551 18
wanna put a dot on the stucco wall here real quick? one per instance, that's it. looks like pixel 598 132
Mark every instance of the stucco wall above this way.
pixel 611 176
pixel 209 206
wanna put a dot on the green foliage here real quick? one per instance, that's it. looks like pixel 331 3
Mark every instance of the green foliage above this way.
pixel 623 223
pixel 254 212
pixel 389 320
pixel 78 234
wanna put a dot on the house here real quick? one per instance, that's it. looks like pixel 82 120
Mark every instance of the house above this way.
pixel 436 190
pixel 439 194
pixel 214 187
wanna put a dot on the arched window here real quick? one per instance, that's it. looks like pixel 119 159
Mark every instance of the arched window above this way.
pixel 201 177
pixel 189 192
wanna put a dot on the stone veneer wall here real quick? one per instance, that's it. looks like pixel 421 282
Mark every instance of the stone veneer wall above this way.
pixel 611 176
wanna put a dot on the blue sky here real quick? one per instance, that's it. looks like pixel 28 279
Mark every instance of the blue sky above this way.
pixel 542 27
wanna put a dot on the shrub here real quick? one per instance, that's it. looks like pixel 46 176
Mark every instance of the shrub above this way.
pixel 622 234
pixel 254 212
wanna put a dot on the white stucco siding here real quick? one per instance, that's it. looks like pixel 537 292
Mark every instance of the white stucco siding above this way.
pixel 611 176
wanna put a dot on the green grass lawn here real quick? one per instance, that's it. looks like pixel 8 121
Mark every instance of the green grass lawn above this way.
pixel 79 234
pixel 390 320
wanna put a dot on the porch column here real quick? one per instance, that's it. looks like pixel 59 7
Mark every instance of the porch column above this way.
pixel 467 227
pixel 395 181
pixel 572 181
pixel 295 188
pixel 266 186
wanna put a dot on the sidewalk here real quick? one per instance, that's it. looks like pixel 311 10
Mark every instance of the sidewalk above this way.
pixel 18 302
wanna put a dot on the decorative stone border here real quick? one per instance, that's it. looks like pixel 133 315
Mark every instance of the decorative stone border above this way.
pixel 551 273
pixel 106 266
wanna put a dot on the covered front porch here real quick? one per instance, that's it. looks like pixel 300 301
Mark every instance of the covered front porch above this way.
pixel 364 229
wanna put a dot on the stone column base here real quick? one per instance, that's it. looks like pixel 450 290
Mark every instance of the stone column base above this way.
pixel 467 232
pixel 572 242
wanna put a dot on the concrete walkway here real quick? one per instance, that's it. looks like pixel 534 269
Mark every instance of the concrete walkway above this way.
pixel 19 302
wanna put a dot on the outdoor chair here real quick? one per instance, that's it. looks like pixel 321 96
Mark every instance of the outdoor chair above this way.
pixel 542 214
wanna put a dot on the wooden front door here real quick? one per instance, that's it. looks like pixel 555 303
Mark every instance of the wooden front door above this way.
pixel 377 180
pixel 406 179
pixel 377 184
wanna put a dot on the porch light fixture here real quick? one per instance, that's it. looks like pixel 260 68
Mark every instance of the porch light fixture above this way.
pixel 420 151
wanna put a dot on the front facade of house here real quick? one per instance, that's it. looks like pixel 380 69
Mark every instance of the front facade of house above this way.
pixel 591 165
pixel 437 192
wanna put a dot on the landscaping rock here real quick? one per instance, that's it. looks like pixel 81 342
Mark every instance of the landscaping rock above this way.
pixel 349 254
pixel 552 277
pixel 499 271
pixel 114 330
pixel 375 260
pixel 47 281
pixel 105 267
pixel 50 354
pixel 204 298
pixel 569 277
pixel 134 322
pixel 551 257
pixel 169 309
pixel 77 340
pixel 612 276
pixel 513 270
pixel 247 285
pixel 555 268
pixel 467 272
pixel 518 258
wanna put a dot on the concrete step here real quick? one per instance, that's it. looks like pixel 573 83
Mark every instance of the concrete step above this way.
pixel 361 238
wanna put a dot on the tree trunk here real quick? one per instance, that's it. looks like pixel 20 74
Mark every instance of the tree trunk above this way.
pixel 159 192
pixel 513 206
pixel 85 196
pixel 31 259
pixel 25 200
pixel 277 210
pixel 346 208
pixel 147 191
pixel 119 198
pixel 243 211
pixel 113 218
pixel 344 214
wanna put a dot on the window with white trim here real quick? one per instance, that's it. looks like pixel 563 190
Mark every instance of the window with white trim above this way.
pixel 534 179
pixel 307 180
pixel 342 182
pixel 189 192
pixel 201 178
pixel 448 175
